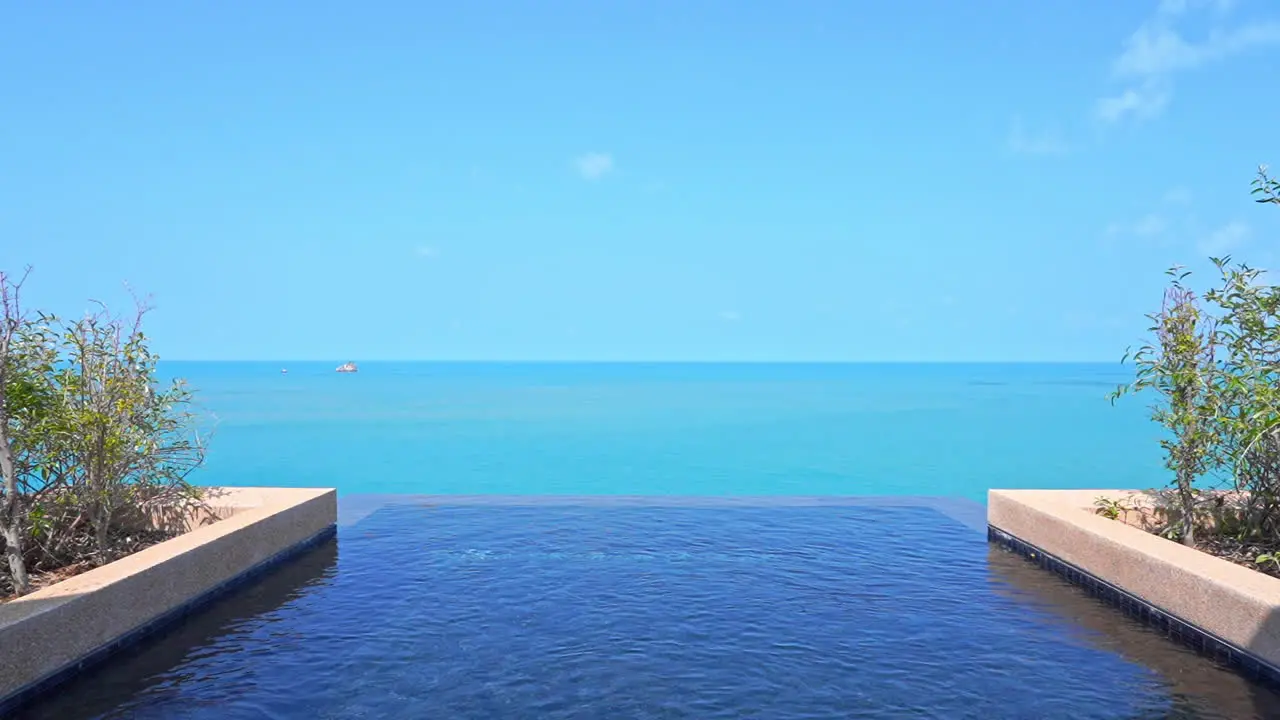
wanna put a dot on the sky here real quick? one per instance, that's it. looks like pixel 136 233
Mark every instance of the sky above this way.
pixel 922 180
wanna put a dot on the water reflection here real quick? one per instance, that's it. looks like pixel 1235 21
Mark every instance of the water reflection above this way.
pixel 1201 689
pixel 149 668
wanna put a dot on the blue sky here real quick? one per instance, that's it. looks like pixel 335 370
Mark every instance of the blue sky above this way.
pixel 827 180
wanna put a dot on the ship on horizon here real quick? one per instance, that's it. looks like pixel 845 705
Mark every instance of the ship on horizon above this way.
pixel 348 367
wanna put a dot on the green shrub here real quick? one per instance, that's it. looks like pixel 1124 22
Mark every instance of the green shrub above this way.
pixel 95 453
pixel 1179 368
pixel 1214 367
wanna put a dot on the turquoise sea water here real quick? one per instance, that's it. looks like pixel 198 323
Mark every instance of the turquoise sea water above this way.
pixel 673 429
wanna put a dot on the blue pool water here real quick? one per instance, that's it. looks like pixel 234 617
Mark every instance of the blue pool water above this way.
pixel 571 601
pixel 425 608
pixel 678 429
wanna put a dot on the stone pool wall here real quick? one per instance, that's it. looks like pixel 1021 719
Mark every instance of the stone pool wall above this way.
pixel 58 631
pixel 1220 608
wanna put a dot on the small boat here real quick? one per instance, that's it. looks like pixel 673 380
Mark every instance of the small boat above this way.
pixel 284 371
pixel 347 368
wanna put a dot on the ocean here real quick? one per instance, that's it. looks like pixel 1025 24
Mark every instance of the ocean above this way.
pixel 700 429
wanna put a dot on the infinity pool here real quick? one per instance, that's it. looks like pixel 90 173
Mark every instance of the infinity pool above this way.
pixel 635 608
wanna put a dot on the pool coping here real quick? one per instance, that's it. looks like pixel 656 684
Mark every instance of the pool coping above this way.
pixel 1218 608
pixel 65 629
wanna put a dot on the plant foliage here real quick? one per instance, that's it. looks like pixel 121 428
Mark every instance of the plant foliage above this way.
pixel 1179 368
pixel 1213 367
pixel 95 450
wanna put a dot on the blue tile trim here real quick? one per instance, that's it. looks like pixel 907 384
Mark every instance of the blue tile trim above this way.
pixel 157 627
pixel 1202 641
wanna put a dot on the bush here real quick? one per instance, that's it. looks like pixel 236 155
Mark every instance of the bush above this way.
pixel 1248 385
pixel 1214 366
pixel 94 453
pixel 1180 368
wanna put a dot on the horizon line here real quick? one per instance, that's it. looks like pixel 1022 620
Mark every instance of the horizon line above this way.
pixel 653 362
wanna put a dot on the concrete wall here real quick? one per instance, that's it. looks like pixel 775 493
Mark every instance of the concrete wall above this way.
pixel 54 632
pixel 1230 604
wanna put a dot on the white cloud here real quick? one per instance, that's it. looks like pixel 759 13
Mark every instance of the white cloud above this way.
pixel 594 166
pixel 1173 224
pixel 1142 103
pixel 1225 239
pixel 1148 226
pixel 1157 51
pixel 1043 143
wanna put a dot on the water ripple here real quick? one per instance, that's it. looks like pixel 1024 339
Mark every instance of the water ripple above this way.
pixel 640 612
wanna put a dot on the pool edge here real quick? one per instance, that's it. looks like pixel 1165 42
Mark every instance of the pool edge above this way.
pixel 273 527
pixel 1228 613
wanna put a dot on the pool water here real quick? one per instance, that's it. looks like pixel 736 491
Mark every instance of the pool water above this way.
pixel 626 608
